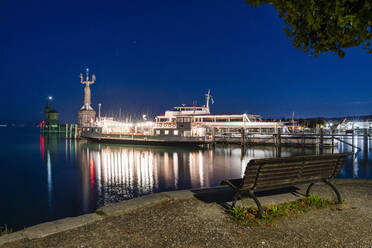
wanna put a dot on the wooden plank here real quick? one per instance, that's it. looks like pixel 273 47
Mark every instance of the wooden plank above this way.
pixel 331 163
pixel 311 179
pixel 296 164
pixel 320 167
pixel 325 173
pixel 293 173
pixel 280 169
pixel 301 158
pixel 273 178
pixel 275 183
pixel 279 172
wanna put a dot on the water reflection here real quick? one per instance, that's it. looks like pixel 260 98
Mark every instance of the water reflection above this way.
pixel 110 173
pixel 359 165
pixel 113 172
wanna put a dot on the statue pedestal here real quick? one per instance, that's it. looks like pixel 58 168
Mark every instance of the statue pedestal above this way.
pixel 86 117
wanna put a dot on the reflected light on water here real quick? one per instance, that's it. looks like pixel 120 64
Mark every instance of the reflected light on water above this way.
pixel 111 173
pixel 125 172
pixel 49 171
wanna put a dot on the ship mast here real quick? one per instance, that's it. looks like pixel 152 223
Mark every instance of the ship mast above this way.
pixel 207 97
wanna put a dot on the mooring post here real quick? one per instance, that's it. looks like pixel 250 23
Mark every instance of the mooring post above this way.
pixel 66 130
pixel 365 139
pixel 333 140
pixel 279 152
pixel 303 138
pixel 279 137
pixel 70 131
pixel 213 136
pixel 321 141
pixel 242 137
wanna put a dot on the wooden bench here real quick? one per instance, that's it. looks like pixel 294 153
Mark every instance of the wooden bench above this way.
pixel 276 173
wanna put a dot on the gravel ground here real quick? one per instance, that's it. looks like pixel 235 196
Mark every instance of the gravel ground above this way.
pixel 193 223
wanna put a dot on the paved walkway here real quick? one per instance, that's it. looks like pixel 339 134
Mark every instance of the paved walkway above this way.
pixel 198 219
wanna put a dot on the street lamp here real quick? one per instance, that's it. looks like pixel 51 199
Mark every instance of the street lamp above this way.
pixel 99 111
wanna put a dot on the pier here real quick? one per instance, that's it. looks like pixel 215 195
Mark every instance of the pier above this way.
pixel 313 138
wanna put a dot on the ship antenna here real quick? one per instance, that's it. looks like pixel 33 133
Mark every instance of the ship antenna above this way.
pixel 207 96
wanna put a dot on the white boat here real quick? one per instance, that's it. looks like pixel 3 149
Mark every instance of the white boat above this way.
pixel 198 121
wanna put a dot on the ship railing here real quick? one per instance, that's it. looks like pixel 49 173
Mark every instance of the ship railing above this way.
pixel 165 125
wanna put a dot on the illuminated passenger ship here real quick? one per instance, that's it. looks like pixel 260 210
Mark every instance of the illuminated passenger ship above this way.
pixel 198 121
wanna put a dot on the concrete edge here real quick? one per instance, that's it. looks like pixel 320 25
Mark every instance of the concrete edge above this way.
pixel 49 228
pixel 12 237
pixel 61 225
pixel 352 181
pixel 124 207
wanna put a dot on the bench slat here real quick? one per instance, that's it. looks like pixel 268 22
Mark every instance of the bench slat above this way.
pixel 301 158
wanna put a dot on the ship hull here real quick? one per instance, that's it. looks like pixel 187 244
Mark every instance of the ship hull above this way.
pixel 147 140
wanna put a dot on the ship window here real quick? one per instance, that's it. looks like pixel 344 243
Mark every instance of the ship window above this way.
pixel 166 132
pixel 222 120
pixel 87 129
pixel 236 119
pixel 157 132
pixel 175 132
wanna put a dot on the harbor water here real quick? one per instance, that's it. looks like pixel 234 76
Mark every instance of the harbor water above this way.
pixel 47 177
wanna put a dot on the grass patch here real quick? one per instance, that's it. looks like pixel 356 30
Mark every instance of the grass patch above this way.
pixel 5 230
pixel 100 212
pixel 250 215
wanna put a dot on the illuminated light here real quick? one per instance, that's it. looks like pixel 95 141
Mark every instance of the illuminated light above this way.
pixel 42 147
pixel 49 171
pixel 91 167
pixel 50 98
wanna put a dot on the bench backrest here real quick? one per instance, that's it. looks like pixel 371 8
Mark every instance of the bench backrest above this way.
pixel 275 172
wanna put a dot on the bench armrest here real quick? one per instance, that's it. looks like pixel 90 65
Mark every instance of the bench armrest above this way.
pixel 233 183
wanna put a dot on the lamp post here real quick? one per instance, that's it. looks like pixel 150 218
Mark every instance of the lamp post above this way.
pixel 99 111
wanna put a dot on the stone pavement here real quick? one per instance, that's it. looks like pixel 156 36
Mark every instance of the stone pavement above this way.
pixel 198 218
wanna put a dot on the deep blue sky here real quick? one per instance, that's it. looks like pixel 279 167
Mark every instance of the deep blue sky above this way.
pixel 151 55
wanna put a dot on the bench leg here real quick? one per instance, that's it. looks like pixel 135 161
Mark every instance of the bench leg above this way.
pixel 339 199
pixel 253 196
pixel 237 196
pixel 335 190
pixel 308 189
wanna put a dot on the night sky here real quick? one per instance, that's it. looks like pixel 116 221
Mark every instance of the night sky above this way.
pixel 149 56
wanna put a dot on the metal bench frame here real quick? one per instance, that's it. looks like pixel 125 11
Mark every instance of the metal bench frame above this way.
pixel 240 186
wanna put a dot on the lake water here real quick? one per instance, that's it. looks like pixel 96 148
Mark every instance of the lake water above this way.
pixel 45 178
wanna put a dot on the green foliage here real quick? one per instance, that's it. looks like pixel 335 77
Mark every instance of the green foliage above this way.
pixel 312 122
pixel 319 26
pixel 100 212
pixel 5 230
pixel 316 201
pixel 250 215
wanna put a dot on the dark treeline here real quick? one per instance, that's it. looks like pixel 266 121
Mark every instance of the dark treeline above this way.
pixel 312 123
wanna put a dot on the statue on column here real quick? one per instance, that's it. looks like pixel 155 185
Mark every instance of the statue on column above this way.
pixel 86 114
pixel 87 95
